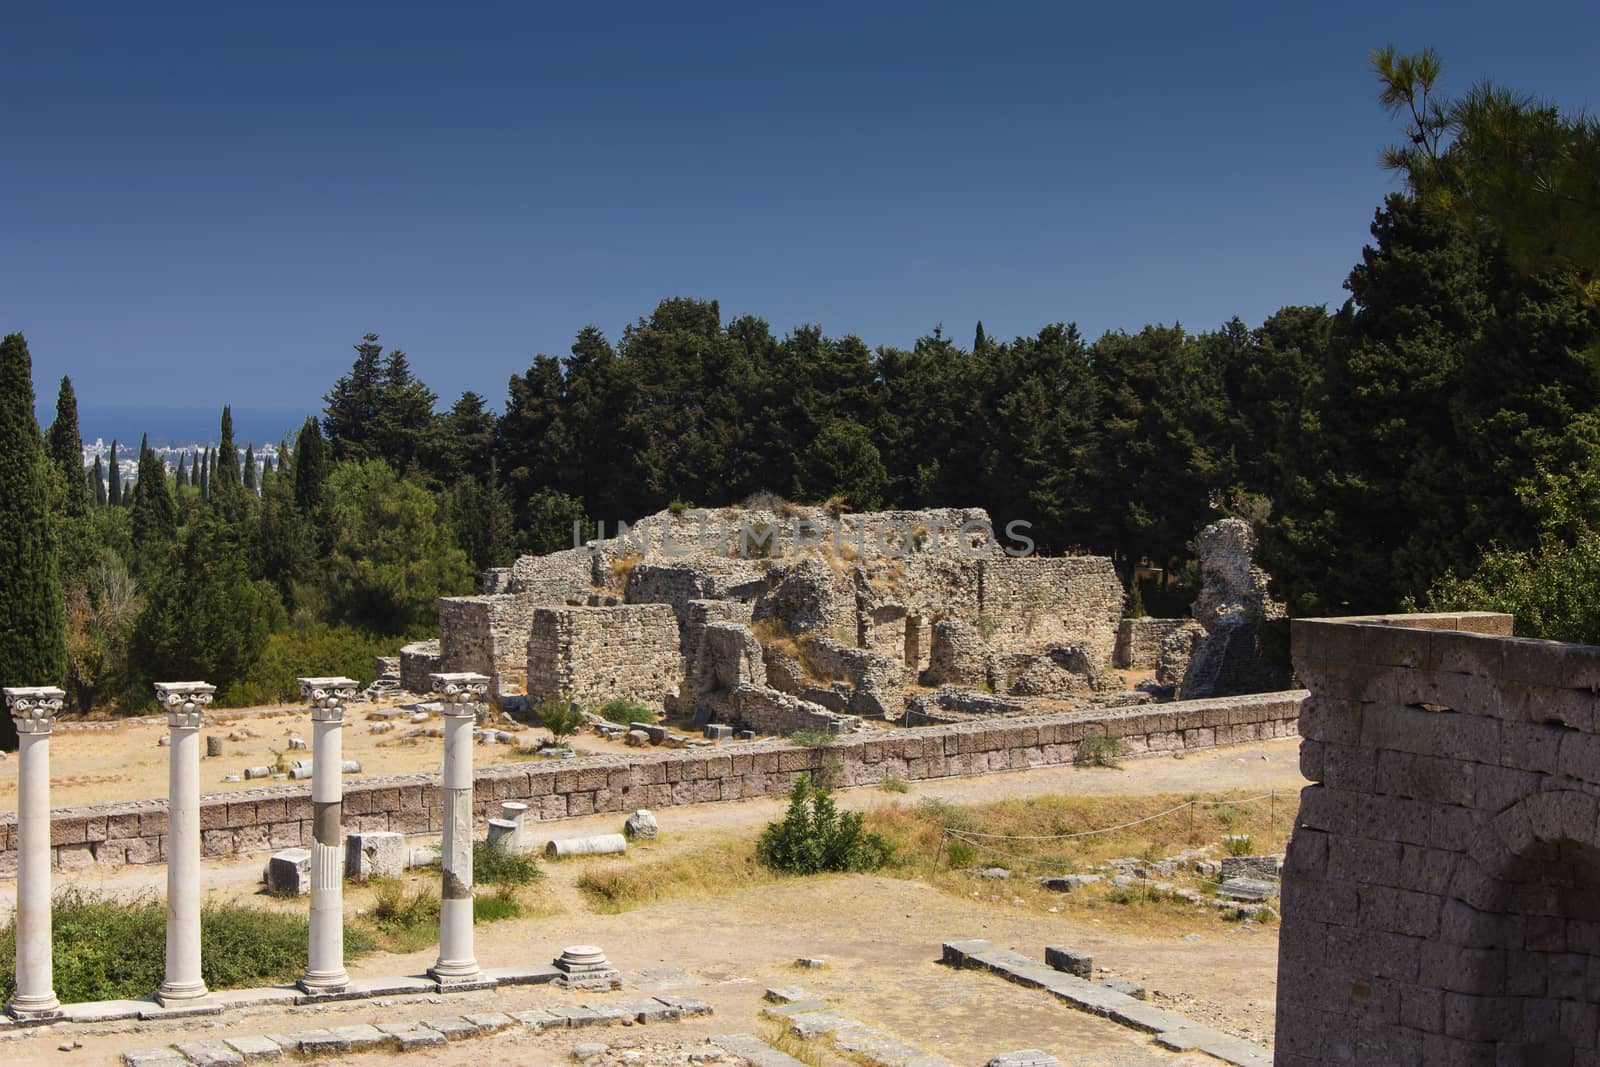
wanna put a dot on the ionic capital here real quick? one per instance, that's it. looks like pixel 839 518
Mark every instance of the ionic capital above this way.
pixel 185 703
pixel 34 708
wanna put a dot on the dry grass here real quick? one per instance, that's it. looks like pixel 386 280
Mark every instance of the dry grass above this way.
pixel 723 864
pixel 772 633
pixel 813 1051
pixel 621 568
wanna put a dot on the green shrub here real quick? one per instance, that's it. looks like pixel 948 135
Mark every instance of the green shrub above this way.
pixel 891 784
pixel 114 949
pixel 503 903
pixel 559 716
pixel 1099 750
pixel 623 711
pixel 815 836
pixel 813 738
pixel 1238 845
pixel 511 870
pixel 960 854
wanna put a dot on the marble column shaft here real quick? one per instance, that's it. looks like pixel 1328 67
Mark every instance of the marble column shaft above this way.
pixel 185 703
pixel 33 710
pixel 462 695
pixel 325 971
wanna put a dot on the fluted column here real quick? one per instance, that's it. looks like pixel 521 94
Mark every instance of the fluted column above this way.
pixel 33 710
pixel 185 703
pixel 325 971
pixel 462 695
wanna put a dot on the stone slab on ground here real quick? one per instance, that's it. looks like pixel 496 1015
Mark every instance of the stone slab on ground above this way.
pixel 411 1036
pixel 535 975
pixel 1171 1030
pixel 757 1051
pixel 288 872
pixel 104 1011
pixel 255 1047
pixel 1024 1057
pixel 490 1021
pixel 210 1053
pixel 537 1020
pixel 361 1036
pixel 453 1027
pixel 1068 961
pixel 688 1007
pixel 161 1057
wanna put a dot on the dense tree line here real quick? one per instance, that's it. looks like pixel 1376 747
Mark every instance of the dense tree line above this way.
pixel 1435 440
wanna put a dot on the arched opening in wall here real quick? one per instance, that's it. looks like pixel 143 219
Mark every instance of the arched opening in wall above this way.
pixel 1527 985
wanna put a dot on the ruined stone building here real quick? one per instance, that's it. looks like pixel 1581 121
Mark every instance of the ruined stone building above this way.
pixel 785 619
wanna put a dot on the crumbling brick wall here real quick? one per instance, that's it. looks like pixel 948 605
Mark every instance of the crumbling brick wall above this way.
pixel 597 654
pixel 1034 601
pixel 1439 890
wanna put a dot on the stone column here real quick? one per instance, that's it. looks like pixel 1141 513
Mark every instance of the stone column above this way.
pixel 462 695
pixel 185 703
pixel 33 710
pixel 325 971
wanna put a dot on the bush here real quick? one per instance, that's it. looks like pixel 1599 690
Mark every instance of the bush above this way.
pixel 815 836
pixel 503 903
pixel 1099 750
pixel 407 922
pixel 623 711
pixel 559 716
pixel 113 949
pixel 509 870
pixel 891 784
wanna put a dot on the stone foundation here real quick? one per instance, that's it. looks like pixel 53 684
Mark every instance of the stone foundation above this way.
pixel 1139 641
pixel 265 820
pixel 1035 601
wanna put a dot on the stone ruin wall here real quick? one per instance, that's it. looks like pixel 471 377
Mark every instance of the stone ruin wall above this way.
pixel 262 820
pixel 593 655
pixel 1439 890
pixel 418 660
pixel 1139 641
pixel 487 634
pixel 1036 601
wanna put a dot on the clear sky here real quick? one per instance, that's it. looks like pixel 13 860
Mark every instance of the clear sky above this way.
pixel 211 204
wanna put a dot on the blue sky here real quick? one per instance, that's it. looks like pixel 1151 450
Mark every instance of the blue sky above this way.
pixel 210 204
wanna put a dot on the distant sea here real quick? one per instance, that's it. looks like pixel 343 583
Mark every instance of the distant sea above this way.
pixel 176 427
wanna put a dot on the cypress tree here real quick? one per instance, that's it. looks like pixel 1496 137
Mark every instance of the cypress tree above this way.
pixel 250 466
pixel 979 341
pixel 194 470
pixel 310 466
pixel 205 474
pixel 225 465
pixel 99 482
pixel 114 494
pixel 155 515
pixel 33 648
pixel 283 458
pixel 66 450
pixel 182 477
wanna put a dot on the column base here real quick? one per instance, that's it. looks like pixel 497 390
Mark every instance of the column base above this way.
pixel 180 993
pixel 456 973
pixel 324 983
pixel 34 1009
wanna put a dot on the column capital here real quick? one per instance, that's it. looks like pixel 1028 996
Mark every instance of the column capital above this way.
pixel 185 702
pixel 34 707
pixel 460 693
pixel 328 696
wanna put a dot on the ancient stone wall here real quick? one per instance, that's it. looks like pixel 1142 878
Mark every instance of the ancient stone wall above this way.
pixel 1439 900
pixel 487 635
pixel 260 820
pixel 417 661
pixel 1139 641
pixel 711 578
pixel 597 654
pixel 1031 602
pixel 561 577
pixel 877 682
pixel 769 711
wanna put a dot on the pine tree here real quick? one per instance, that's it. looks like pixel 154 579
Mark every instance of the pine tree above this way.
pixel 250 466
pixel 66 450
pixel 32 620
pixel 99 482
pixel 114 493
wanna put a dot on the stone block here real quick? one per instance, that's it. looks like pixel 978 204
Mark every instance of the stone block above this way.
pixel 289 872
pixel 375 855
pixel 1069 961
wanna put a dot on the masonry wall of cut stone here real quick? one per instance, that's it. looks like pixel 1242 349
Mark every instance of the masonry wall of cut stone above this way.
pixel 261 820
pixel 597 654
pixel 1139 641
pixel 1036 601
pixel 557 578
pixel 1440 898
pixel 417 661
pixel 487 635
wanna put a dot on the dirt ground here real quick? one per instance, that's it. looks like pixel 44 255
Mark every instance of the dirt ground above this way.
pixel 881 934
